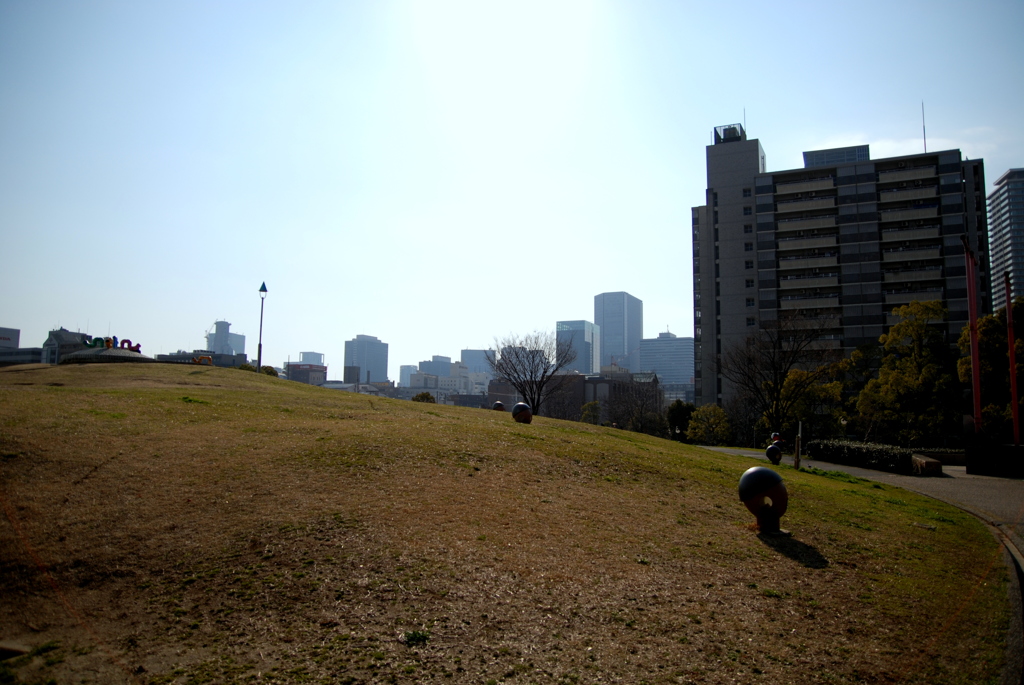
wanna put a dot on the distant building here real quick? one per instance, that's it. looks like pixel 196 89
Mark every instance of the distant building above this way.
pixel 222 360
pixel 585 338
pixel 370 355
pixel 405 372
pixel 222 341
pixel 669 357
pixel 351 374
pixel 1006 234
pixel 310 374
pixel 9 338
pixel 476 361
pixel 620 319
pixel 62 342
pixel 438 366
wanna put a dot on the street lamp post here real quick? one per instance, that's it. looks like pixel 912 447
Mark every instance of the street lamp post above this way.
pixel 259 348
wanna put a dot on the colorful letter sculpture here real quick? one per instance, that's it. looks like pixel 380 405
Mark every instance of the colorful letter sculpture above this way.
pixel 498 406
pixel 764 494
pixel 522 413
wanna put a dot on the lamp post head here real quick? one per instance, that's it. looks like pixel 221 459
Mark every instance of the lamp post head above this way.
pixel 263 290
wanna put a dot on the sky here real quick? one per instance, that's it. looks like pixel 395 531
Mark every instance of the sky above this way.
pixel 436 174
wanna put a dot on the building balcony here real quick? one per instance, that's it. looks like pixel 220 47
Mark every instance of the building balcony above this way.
pixel 808 282
pixel 804 186
pixel 911 234
pixel 814 302
pixel 911 254
pixel 805 204
pixel 803 243
pixel 906 174
pixel 812 262
pixel 908 275
pixel 902 195
pixel 805 224
pixel 908 214
pixel 908 296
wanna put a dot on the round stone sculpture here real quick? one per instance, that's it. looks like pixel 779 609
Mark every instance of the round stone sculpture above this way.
pixel 522 412
pixel 765 495
pixel 498 406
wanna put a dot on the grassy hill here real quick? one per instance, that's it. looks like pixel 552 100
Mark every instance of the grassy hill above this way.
pixel 175 524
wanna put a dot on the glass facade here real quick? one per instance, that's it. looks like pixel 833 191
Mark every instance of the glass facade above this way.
pixel 620 317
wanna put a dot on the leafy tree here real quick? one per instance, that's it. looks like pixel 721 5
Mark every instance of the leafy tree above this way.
pixel 914 401
pixel 532 364
pixel 678 416
pixel 709 425
pixel 819 406
pixel 269 370
pixel 246 367
pixel 591 412
pixel 424 397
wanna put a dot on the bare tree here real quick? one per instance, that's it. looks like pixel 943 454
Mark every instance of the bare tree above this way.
pixel 760 366
pixel 637 405
pixel 532 364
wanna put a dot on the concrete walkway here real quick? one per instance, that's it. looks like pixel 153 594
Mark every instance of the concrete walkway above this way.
pixel 999 501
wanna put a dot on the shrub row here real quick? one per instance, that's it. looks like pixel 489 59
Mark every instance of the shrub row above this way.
pixel 866 455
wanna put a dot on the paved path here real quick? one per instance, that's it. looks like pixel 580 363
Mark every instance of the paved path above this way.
pixel 1000 501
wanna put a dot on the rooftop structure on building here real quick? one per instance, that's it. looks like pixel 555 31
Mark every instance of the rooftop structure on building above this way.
pixel 1006 234
pixel 837 244
pixel 221 340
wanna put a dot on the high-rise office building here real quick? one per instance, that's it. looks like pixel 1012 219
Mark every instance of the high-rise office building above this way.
pixel 585 338
pixel 838 243
pixel 476 361
pixel 1006 234
pixel 405 373
pixel 438 366
pixel 370 355
pixel 668 356
pixel 620 318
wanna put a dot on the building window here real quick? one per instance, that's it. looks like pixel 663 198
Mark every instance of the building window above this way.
pixel 748 228
pixel 747 211
pixel 748 247
pixel 750 282
pixel 750 302
pixel 749 264
pixel 746 192
pixel 751 321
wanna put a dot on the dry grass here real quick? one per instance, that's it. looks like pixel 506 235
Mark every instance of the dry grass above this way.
pixel 168 524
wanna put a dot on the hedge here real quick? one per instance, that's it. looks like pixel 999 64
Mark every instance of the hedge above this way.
pixel 866 455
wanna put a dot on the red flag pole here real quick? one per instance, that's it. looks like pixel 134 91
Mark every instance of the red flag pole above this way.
pixel 1012 343
pixel 972 315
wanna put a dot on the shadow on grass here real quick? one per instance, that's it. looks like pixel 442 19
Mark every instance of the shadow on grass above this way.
pixel 795 550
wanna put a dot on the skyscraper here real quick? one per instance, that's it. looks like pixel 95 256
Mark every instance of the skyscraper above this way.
pixel 370 355
pixel 585 338
pixel 838 243
pixel 1006 234
pixel 620 318
pixel 669 357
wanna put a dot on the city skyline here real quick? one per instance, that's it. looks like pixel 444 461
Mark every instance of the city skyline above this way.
pixel 369 161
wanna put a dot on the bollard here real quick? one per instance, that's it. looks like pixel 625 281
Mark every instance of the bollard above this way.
pixel 764 494
pixel 522 413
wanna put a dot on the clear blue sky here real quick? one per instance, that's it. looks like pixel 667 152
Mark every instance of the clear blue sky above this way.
pixel 434 173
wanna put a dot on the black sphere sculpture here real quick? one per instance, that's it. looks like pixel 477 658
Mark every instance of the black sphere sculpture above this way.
pixel 765 495
pixel 522 413
pixel 498 406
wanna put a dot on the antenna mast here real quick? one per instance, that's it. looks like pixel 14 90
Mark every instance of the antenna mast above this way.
pixel 924 133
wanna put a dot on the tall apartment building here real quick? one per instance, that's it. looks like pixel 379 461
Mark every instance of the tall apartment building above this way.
pixel 370 355
pixel 1006 234
pixel 839 243
pixel 620 318
pixel 585 338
